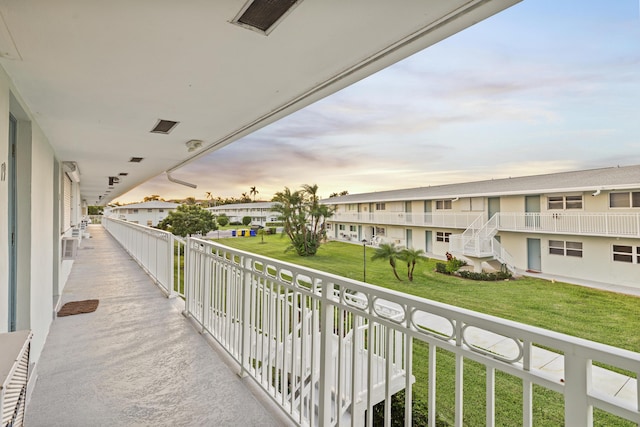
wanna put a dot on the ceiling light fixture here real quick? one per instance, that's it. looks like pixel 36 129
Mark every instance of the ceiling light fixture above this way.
pixel 193 145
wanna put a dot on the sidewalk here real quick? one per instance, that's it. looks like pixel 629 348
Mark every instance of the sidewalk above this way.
pixel 135 361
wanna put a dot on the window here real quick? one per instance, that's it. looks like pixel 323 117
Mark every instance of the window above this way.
pixel 329 226
pixel 443 204
pixel 149 223
pixel 352 228
pixel 564 202
pixel 442 236
pixel 624 200
pixel 160 210
pixel 380 206
pixel 625 254
pixel 341 227
pixel 135 211
pixel 149 210
pixel 560 247
pixel 380 231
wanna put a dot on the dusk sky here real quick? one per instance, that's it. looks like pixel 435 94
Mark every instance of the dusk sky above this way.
pixel 545 86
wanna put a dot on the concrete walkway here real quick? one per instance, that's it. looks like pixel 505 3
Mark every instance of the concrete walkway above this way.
pixel 135 361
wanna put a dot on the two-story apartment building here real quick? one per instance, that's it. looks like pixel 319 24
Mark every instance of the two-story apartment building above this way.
pixel 582 224
pixel 260 212
pixel 146 213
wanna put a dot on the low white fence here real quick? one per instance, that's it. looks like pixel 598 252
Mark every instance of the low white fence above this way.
pixel 326 348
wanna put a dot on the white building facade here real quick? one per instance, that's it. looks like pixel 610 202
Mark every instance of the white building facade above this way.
pixel 583 225
pixel 261 213
pixel 146 213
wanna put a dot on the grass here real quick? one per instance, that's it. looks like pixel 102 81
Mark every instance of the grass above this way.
pixel 592 314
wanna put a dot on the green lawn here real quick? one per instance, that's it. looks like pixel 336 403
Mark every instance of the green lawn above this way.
pixel 596 315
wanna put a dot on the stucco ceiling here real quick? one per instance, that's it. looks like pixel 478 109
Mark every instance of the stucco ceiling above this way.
pixel 97 75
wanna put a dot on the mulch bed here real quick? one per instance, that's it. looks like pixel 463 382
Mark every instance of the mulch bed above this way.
pixel 78 307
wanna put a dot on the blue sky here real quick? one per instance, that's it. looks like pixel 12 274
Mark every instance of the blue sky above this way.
pixel 545 86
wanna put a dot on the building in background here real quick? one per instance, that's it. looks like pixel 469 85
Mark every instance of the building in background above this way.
pixel 260 212
pixel 146 213
pixel 582 225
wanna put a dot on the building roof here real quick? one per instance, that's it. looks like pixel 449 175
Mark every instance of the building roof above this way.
pixel 613 178
pixel 154 204
pixel 253 205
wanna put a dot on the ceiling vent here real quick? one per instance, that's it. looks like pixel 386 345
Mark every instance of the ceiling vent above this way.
pixel 136 159
pixel 263 15
pixel 164 126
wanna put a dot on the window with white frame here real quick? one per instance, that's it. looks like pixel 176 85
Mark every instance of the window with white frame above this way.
pixel 352 228
pixel 329 226
pixel 380 231
pixel 442 236
pixel 627 199
pixel 623 253
pixel 149 210
pixel 560 247
pixel 564 202
pixel 341 227
pixel 443 204
pixel 381 206
pixel 149 223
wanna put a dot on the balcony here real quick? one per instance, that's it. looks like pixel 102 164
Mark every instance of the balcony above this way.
pixel 322 348
pixel 424 219
pixel 588 224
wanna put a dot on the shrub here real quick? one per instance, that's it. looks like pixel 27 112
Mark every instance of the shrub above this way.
pixel 223 220
pixel 246 220
pixel 272 230
pixel 274 224
pixel 454 265
pixel 441 267
pixel 487 277
pixel 235 223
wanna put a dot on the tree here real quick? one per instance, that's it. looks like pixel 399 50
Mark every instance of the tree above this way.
pixel 253 192
pixel 188 220
pixel 303 217
pixel 411 257
pixel 390 252
pixel 222 220
pixel 246 220
pixel 245 198
pixel 342 193
pixel 190 201
pixel 152 198
pixel 209 197
pixel 95 210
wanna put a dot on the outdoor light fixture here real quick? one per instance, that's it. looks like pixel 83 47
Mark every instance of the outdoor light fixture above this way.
pixel 193 144
pixel 113 180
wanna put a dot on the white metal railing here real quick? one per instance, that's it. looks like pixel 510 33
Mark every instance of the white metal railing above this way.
pixel 597 224
pixel 434 219
pixel 158 252
pixel 304 337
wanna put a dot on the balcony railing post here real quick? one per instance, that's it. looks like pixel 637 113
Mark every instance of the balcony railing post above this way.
pixel 326 361
pixel 247 286
pixel 577 383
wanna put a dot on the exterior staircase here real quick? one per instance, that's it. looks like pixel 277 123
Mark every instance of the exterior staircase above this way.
pixel 479 244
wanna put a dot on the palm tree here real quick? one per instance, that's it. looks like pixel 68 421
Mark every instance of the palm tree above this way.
pixel 253 192
pixel 388 251
pixel 411 257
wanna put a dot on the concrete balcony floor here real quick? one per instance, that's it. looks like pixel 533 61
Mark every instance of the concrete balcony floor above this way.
pixel 136 360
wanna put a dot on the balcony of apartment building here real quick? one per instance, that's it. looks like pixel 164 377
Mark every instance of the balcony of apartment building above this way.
pixel 580 223
pixel 460 220
pixel 308 347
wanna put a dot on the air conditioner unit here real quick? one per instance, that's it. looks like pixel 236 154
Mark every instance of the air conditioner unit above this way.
pixel 14 376
pixel 69 247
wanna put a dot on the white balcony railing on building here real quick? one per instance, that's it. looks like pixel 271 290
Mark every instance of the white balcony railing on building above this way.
pixel 159 253
pixel 434 219
pixel 584 223
pixel 326 348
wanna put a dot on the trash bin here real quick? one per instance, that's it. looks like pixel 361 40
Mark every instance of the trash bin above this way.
pixel 242 233
pixel 253 233
pixel 233 233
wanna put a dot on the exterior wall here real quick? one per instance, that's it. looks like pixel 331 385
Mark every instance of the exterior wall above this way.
pixel 36 225
pixel 143 215
pixel 597 263
pixel 513 203
pixel 4 203
pixel 235 213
